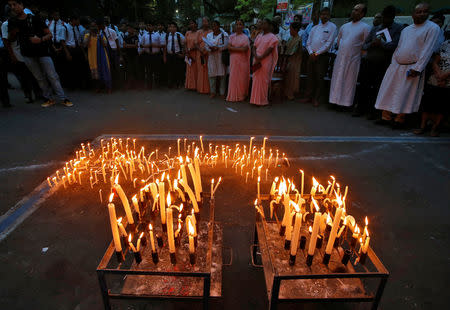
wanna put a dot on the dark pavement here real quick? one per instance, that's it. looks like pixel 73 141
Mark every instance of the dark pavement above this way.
pixel 402 187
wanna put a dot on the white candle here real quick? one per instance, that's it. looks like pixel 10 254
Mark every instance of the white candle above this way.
pixel 135 204
pixel 274 185
pixel 195 181
pixel 366 245
pixel 183 170
pixel 180 192
pixel 178 145
pixel 191 238
pixel 113 222
pixel 201 144
pixel 289 226
pixel 336 221
pixel 315 232
pixel 170 230
pixel 296 237
pixel 152 238
pixel 303 182
pixel 124 200
pixel 122 230
pixel 131 244
pixel 138 246
pixel 191 195
pixel 259 188
pixel 162 206
pixel 198 173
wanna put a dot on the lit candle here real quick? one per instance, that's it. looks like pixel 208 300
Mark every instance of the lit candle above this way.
pixel 296 237
pixel 201 144
pixel 178 145
pixel 49 183
pixel 135 204
pixel 124 200
pixel 197 170
pixel 152 238
pixel 366 244
pixel 131 244
pixel 162 206
pixel 122 230
pixel 138 246
pixel 191 195
pixel 212 188
pixel 315 232
pixel 183 171
pixel 259 190
pixel 195 181
pixel 274 185
pixel 336 221
pixel 303 182
pixel 113 222
pixel 180 192
pixel 170 230
pixel 191 238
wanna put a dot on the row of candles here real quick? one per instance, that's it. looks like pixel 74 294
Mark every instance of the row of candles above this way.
pixel 284 194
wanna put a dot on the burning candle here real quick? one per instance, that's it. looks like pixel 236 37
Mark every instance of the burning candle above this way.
pixel 179 191
pixel 303 182
pixel 315 232
pixel 296 236
pixel 113 222
pixel 122 230
pixel 124 200
pixel 259 188
pixel 135 204
pixel 162 206
pixel 131 244
pixel 366 244
pixel 336 221
pixel 195 181
pixel 170 230
pixel 191 237
pixel 152 238
pixel 138 246
pixel 274 186
pixel 197 170
pixel 191 195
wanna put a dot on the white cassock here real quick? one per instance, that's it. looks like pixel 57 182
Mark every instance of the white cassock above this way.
pixel 398 92
pixel 350 39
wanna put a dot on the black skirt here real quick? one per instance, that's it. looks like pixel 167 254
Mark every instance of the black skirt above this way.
pixel 436 99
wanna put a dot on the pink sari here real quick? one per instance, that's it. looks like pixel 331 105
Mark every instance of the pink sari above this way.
pixel 191 70
pixel 263 76
pixel 239 69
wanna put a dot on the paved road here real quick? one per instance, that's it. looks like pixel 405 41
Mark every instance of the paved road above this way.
pixel 404 185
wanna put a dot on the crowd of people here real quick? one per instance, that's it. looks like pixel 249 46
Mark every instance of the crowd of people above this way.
pixel 380 71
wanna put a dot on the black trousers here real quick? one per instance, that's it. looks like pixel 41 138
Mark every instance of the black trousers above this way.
pixel 370 76
pixel 78 69
pixel 4 96
pixel 132 68
pixel 114 61
pixel 317 69
pixel 174 66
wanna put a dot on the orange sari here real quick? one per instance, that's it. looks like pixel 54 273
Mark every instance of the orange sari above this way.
pixel 202 69
pixel 191 70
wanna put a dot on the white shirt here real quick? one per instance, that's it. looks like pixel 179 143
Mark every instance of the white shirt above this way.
pixel 284 34
pixel 154 38
pixel 111 35
pixel 60 33
pixel 176 44
pixel 321 38
pixel 140 36
pixel 14 45
pixel 73 32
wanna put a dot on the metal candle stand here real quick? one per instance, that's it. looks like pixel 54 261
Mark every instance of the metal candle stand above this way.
pixel 290 279
pixel 194 277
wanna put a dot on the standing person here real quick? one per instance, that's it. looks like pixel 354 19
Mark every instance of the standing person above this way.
pixel 113 48
pixel 34 38
pixel 4 96
pixel 162 72
pixel 350 40
pixel 265 60
pixel 239 47
pixel 97 46
pixel 294 62
pixel 378 57
pixel 216 68
pixel 377 19
pixel 402 86
pixel 59 51
pixel 76 62
pixel 173 56
pixel 151 44
pixel 202 58
pixel 191 56
pixel 130 45
pixel 319 44
pixel 437 91
pixel 143 57
pixel 439 19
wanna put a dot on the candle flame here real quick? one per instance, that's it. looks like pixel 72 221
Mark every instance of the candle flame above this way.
pixel 329 222
pixel 111 197
pixel 310 229
pixel 196 152
pixel 191 228
pixel 315 204
pixel 367 221
pixel 129 238
pixel 134 198
pixel 141 235
pixel 168 200
pixel 150 226
pixel 116 181
pixel 315 183
pixel 256 201
pixel 259 179
pixel 119 220
pixel 181 207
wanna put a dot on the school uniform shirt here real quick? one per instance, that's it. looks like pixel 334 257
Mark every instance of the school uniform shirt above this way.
pixel 73 38
pixel 162 39
pixel 173 44
pixel 58 31
pixel 147 39
pixel 14 44
pixel 321 38
pixel 140 37
pixel 111 36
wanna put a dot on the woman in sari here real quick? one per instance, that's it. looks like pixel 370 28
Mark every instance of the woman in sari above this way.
pixel 293 54
pixel 239 47
pixel 191 56
pixel 202 58
pixel 98 59
pixel 265 60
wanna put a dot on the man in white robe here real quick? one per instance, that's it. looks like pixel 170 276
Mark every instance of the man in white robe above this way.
pixel 401 90
pixel 216 69
pixel 350 40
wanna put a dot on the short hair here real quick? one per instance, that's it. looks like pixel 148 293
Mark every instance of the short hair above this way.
pixel 439 16
pixel 389 11
pixel 296 26
pixel 299 16
pixel 17 1
pixel 216 22
pixel 325 9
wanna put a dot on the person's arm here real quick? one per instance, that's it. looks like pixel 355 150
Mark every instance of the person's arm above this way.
pixel 395 36
pixel 426 53
pixel 47 34
pixel 369 39
pixel 309 41
pixel 326 47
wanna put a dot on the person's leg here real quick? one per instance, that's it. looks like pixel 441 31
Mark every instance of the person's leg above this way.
pixel 171 70
pixel 212 86
pixel 20 71
pixel 49 68
pixel 309 80
pixel 322 67
pixel 35 68
pixel 222 85
pixel 150 70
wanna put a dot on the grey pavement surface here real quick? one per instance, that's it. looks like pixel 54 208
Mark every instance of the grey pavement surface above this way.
pixel 403 187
